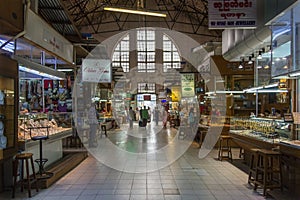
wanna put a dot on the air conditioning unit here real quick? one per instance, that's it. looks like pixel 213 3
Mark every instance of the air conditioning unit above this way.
pixel 11 17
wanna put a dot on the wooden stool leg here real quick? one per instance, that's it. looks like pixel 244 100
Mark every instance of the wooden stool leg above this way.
pixel 266 165
pixel 28 178
pixel 15 175
pixel 34 174
pixel 22 175
pixel 220 153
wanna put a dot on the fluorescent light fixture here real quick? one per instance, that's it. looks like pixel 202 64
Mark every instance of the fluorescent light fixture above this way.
pixel 271 85
pixel 32 71
pixel 38 69
pixel 229 92
pixel 137 12
pixel 9 47
pixel 64 70
pixel 295 74
pixel 272 91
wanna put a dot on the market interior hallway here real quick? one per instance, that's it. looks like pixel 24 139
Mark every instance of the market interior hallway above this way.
pixel 187 178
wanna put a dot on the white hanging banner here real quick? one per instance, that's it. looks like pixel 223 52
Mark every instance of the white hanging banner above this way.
pixel 96 71
pixel 224 14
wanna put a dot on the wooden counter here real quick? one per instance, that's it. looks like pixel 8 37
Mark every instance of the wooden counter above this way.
pixel 290 157
pixel 249 142
pixel 52 147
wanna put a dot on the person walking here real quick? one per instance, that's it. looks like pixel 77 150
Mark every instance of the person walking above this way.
pixel 131 117
pixel 156 115
pixel 144 116
pixel 93 122
pixel 165 117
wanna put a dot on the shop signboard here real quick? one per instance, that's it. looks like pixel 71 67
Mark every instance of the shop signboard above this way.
pixel 187 85
pixel 224 14
pixel 96 70
pixel 176 93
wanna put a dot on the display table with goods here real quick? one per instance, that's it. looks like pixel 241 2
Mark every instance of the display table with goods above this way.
pixel 271 134
pixel 38 125
pixel 43 135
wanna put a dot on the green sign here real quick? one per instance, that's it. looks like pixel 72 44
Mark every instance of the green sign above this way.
pixel 187 85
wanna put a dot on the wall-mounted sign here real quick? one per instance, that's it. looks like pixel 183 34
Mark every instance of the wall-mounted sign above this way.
pixel 187 85
pixel 96 70
pixel 232 14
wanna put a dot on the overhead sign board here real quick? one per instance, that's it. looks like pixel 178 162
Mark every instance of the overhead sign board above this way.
pixel 224 14
pixel 96 71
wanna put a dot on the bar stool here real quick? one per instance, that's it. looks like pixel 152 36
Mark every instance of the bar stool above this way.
pixel 252 166
pixel 268 166
pixel 29 179
pixel 42 174
pixel 224 147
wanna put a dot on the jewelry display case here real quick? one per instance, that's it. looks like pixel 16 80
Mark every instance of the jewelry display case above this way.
pixel 57 123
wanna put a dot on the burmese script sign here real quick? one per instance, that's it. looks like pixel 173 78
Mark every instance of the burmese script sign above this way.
pixel 232 14
pixel 96 71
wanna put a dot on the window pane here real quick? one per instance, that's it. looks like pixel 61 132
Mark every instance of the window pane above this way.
pixel 116 64
pixel 167 56
pixel 150 67
pixel 150 56
pixel 167 45
pixel 141 56
pixel 151 46
pixel 141 46
pixel 116 56
pixel 124 46
pixel 125 56
pixel 176 56
pixel 150 35
pixel 177 65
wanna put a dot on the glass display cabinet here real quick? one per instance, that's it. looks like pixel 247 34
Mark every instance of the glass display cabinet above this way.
pixel 8 107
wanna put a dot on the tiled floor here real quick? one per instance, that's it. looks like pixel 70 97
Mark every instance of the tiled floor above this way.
pixel 187 178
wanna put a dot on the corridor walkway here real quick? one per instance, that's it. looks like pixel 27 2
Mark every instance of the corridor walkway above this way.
pixel 187 178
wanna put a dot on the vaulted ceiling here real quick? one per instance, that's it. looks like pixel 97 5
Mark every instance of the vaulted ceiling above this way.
pixel 86 23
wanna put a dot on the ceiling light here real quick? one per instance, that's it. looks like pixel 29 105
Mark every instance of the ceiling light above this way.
pixel 259 67
pixel 250 60
pixel 137 12
pixel 285 67
pixel 259 55
pixel 266 67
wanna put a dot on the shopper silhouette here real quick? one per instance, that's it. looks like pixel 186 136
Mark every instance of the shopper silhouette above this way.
pixel 131 117
pixel 93 122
